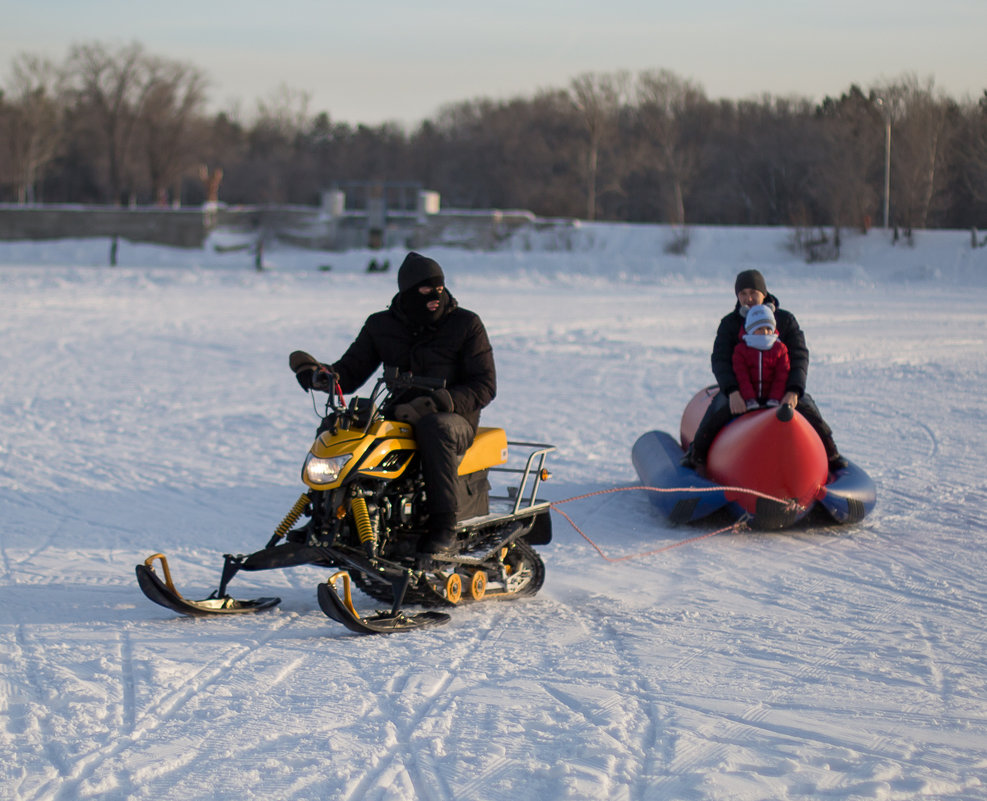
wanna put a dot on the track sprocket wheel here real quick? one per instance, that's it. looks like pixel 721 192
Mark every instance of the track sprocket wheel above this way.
pixel 525 570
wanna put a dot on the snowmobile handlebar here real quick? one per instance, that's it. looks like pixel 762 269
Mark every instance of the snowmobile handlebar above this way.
pixel 394 379
pixel 361 411
pixel 324 381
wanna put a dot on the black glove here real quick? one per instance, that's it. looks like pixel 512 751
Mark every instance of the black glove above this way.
pixel 415 410
pixel 443 400
pixel 412 412
pixel 324 379
pixel 304 378
pixel 310 373
pixel 321 378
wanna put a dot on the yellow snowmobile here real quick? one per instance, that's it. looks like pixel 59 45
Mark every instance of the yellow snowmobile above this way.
pixel 364 512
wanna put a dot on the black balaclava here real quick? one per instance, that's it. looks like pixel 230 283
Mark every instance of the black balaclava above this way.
pixel 415 272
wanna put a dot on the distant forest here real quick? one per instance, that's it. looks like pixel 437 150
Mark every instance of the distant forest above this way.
pixel 119 125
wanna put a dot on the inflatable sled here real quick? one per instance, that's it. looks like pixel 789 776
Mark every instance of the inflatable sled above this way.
pixel 772 452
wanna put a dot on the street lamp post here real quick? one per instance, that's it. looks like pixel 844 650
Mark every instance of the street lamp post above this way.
pixel 887 159
pixel 887 169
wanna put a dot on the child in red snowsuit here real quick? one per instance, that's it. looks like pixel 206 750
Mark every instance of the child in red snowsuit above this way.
pixel 760 360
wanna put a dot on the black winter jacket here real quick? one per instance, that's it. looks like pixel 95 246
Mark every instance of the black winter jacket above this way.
pixel 789 332
pixel 455 348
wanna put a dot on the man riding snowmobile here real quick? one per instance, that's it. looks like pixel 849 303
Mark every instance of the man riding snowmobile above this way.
pixel 424 332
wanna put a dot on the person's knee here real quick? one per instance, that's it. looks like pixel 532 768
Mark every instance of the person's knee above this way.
pixel 444 430
pixel 434 426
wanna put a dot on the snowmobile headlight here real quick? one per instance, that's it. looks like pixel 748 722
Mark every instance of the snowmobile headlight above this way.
pixel 320 471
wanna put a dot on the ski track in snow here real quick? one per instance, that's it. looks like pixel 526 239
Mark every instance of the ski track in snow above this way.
pixel 150 408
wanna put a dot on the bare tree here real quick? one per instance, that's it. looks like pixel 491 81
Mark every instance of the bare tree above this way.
pixel 849 154
pixel 666 106
pixel 599 99
pixel 974 150
pixel 281 120
pixel 109 89
pixel 762 159
pixel 170 119
pixel 31 126
pixel 284 110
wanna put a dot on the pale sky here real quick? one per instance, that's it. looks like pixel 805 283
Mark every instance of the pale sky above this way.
pixel 369 62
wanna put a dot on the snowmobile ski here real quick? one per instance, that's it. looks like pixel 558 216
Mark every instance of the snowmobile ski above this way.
pixel 343 611
pixel 165 594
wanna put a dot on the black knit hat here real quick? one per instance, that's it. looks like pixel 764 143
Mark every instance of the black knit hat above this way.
pixel 417 268
pixel 750 279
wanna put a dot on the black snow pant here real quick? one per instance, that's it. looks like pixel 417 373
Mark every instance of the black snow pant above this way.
pixel 442 440
pixel 718 415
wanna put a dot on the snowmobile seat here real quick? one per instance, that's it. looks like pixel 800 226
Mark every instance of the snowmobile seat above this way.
pixel 489 449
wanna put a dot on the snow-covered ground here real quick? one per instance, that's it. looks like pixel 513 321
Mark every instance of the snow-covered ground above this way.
pixel 149 407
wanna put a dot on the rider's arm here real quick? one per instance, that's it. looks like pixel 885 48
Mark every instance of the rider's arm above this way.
pixel 783 367
pixel 792 337
pixel 476 384
pixel 721 358
pixel 741 373
pixel 359 362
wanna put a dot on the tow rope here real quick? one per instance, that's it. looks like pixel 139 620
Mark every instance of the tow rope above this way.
pixel 739 525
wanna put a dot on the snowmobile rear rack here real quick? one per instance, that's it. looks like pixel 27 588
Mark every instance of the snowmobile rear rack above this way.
pixel 531 472
pixel 520 501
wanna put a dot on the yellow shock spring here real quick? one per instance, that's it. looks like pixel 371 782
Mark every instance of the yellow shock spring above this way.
pixel 292 516
pixel 358 506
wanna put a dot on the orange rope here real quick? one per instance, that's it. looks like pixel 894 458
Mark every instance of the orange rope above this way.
pixel 740 525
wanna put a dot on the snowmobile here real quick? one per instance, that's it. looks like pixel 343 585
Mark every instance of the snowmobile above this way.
pixel 364 513
pixel 773 452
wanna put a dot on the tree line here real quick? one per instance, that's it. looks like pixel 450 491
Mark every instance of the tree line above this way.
pixel 119 125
